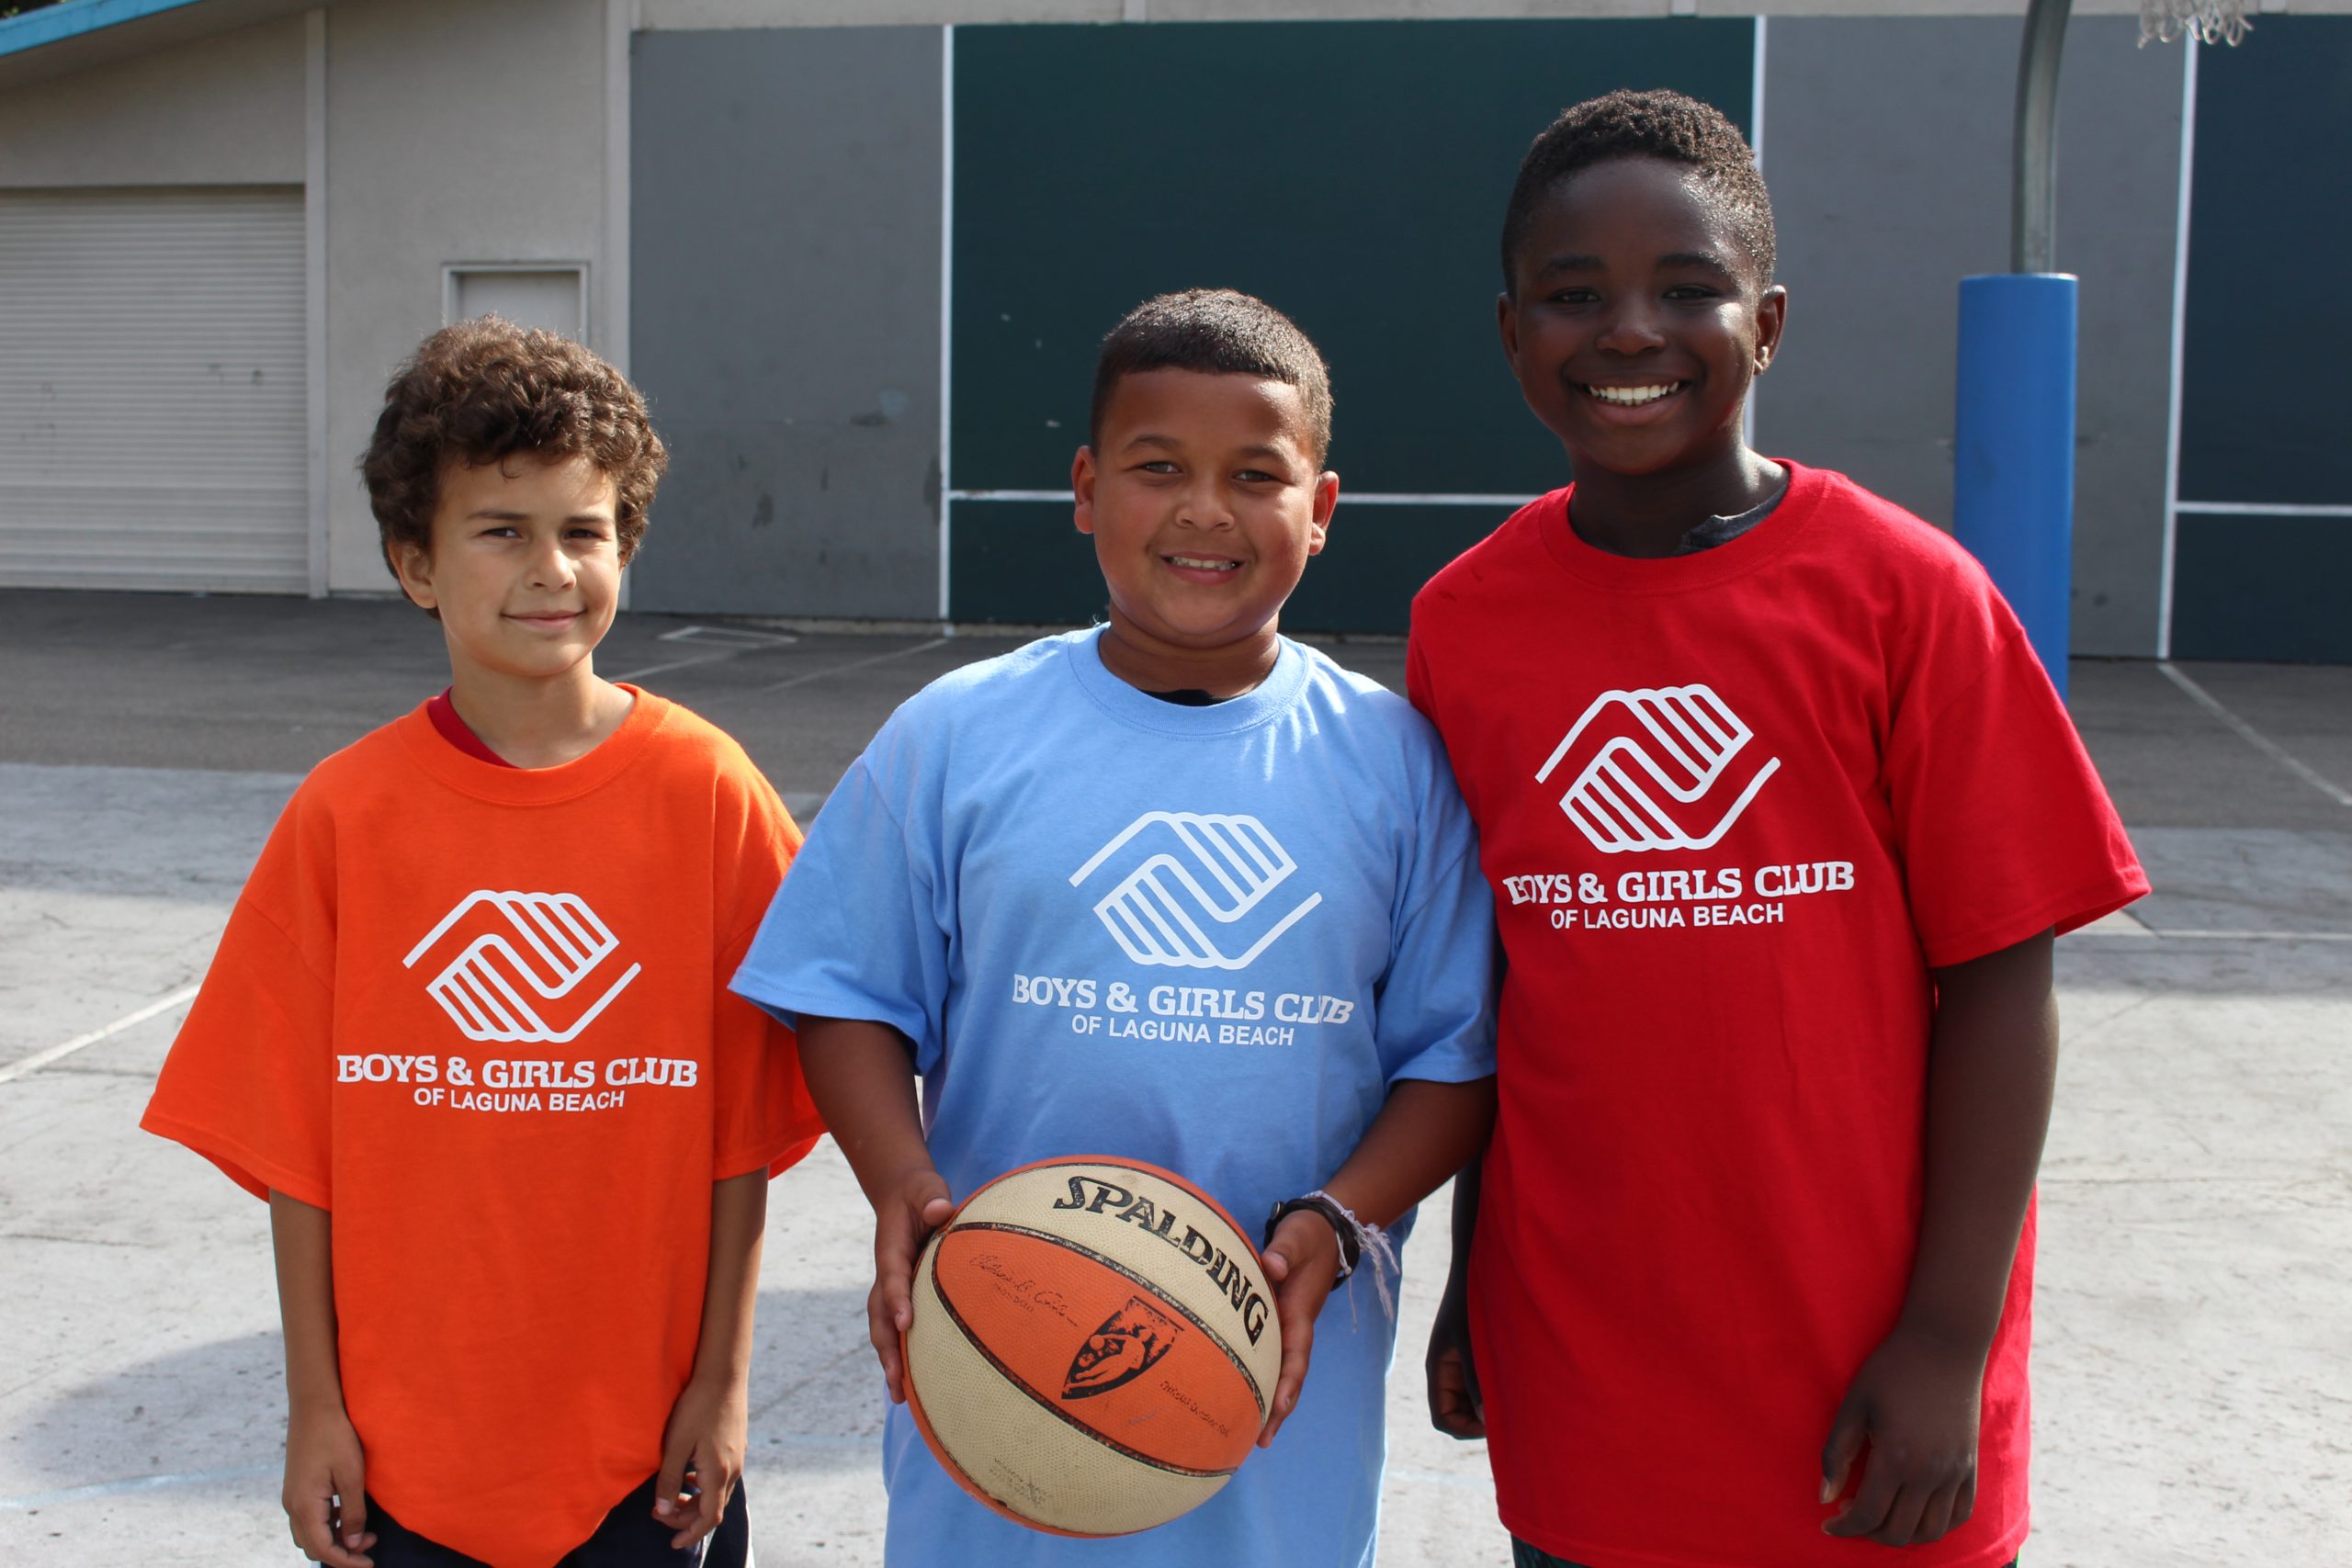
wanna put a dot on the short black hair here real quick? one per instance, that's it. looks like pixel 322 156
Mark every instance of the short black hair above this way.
pixel 1219 332
pixel 1657 124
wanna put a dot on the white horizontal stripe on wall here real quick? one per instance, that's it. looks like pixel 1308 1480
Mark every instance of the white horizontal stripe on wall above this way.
pixel 2258 509
pixel 1347 496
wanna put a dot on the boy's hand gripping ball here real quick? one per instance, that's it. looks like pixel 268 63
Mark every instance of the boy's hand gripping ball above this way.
pixel 1094 1346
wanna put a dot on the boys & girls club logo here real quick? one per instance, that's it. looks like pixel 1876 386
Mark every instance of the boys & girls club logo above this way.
pixel 1196 890
pixel 521 961
pixel 1651 769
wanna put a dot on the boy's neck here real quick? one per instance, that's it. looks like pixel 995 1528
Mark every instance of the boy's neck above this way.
pixel 538 723
pixel 1225 670
pixel 1645 515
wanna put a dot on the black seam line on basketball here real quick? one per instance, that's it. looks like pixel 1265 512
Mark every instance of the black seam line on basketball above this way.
pixel 1112 1264
pixel 1048 1406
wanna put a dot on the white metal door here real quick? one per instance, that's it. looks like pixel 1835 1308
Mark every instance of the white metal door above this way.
pixel 551 298
pixel 152 397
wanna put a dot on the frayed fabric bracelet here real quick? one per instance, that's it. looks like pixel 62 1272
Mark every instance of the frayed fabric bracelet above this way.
pixel 1358 1241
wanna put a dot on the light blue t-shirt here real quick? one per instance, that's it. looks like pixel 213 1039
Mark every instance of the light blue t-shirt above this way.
pixel 1209 938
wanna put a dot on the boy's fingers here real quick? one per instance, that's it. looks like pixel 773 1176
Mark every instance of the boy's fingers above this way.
pixel 1901 1526
pixel 882 1327
pixel 669 1479
pixel 1837 1454
pixel 1298 1345
pixel 354 1521
pixel 1866 1515
pixel 701 1517
pixel 315 1534
pixel 1964 1503
pixel 1935 1520
pixel 1453 1410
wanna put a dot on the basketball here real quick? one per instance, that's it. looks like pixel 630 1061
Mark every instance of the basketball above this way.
pixel 1094 1349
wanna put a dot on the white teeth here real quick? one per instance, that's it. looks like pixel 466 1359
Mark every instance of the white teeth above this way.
pixel 1631 397
pixel 1199 564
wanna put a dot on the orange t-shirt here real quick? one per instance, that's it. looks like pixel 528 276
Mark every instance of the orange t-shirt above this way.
pixel 480 1014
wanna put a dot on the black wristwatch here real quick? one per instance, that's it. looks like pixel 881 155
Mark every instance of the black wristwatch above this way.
pixel 1351 1239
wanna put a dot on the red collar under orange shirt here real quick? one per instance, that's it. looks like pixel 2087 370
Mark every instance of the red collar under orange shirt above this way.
pixel 458 732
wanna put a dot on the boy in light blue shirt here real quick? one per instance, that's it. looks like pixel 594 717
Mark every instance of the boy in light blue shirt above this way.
pixel 1173 889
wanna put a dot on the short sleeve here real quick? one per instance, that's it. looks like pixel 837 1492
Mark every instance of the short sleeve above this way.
pixel 766 1120
pixel 1437 1001
pixel 247 1082
pixel 856 930
pixel 2003 828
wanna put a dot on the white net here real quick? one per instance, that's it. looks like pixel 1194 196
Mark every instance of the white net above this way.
pixel 2207 21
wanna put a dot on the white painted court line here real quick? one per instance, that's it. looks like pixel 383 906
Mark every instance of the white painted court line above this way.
pixel 134 1484
pixel 41 1059
pixel 846 669
pixel 2255 936
pixel 675 664
pixel 730 643
pixel 2252 736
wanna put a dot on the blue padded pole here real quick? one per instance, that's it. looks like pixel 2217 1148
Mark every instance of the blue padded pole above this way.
pixel 2013 470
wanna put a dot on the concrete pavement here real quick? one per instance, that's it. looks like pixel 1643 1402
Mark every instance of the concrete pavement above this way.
pixel 2192 1372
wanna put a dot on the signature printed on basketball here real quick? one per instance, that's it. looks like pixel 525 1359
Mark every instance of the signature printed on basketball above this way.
pixel 1181 1397
pixel 1026 1293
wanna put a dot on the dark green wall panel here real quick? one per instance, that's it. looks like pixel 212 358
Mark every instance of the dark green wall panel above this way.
pixel 2263 588
pixel 1377 556
pixel 1352 173
pixel 2264 404
pixel 1021 560
pixel 1026 562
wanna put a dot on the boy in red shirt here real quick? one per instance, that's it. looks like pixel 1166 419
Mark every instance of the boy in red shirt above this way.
pixel 467 1030
pixel 1782 816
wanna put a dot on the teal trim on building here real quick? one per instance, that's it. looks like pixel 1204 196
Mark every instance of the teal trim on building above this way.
pixel 53 24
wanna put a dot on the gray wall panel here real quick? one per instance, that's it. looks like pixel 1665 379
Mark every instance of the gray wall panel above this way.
pixel 1887 150
pixel 785 214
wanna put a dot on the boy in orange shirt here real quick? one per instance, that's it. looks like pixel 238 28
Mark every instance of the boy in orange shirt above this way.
pixel 467 1030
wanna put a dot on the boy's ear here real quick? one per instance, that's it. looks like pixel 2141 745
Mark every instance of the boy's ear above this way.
pixel 1772 319
pixel 1327 498
pixel 1081 488
pixel 412 563
pixel 1507 322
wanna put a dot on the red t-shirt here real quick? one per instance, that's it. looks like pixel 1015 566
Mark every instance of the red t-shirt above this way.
pixel 1734 805
pixel 480 1014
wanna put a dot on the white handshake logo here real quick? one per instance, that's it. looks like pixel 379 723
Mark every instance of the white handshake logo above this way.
pixel 494 988
pixel 1642 765
pixel 1198 890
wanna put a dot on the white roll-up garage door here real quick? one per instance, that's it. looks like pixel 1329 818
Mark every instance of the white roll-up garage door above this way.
pixel 152 397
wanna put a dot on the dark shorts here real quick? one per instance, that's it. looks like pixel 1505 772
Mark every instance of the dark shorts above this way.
pixel 630 1537
pixel 1525 1556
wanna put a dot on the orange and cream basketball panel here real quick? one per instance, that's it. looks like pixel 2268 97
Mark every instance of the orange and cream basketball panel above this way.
pixel 1094 1345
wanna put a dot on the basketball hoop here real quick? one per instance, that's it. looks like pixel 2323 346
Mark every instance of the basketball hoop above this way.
pixel 2207 21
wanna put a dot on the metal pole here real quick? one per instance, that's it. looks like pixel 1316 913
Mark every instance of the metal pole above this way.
pixel 2033 216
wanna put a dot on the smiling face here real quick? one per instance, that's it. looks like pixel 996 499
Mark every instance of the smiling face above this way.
pixel 1637 319
pixel 1205 499
pixel 524 568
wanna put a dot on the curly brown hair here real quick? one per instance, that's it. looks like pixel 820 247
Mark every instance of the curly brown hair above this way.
pixel 486 390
